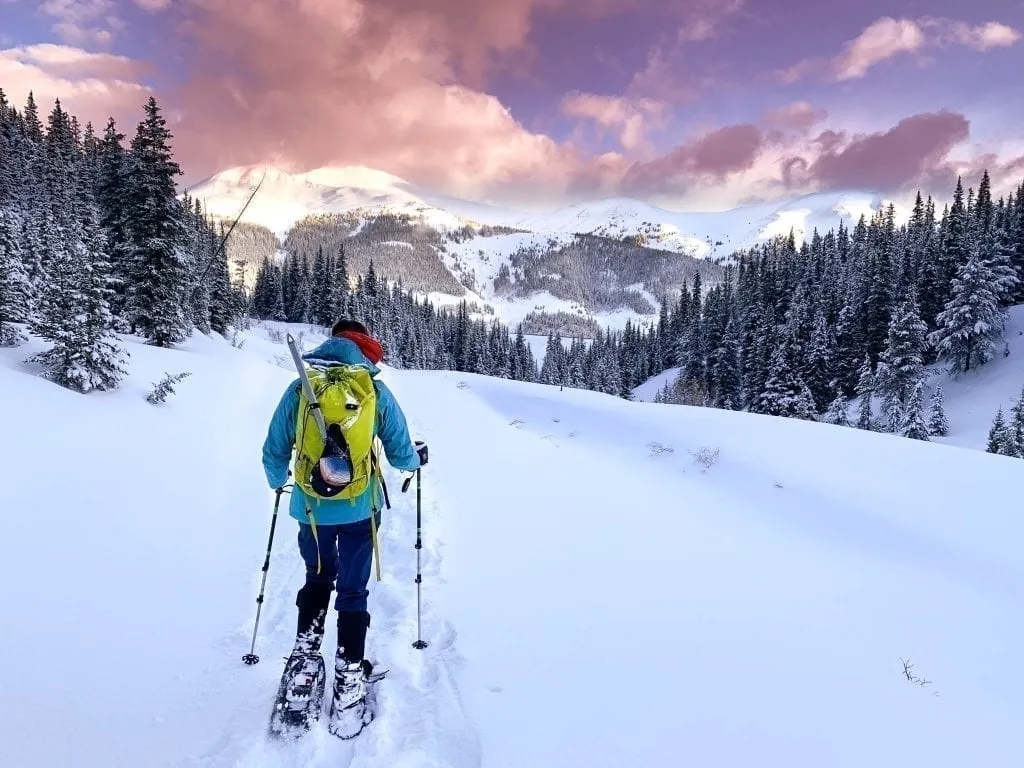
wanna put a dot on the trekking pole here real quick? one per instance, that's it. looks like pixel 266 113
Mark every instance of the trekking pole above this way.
pixel 420 642
pixel 251 657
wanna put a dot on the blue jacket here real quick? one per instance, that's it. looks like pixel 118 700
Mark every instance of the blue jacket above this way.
pixel 391 428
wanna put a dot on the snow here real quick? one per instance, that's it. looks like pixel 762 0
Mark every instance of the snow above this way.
pixel 647 391
pixel 605 583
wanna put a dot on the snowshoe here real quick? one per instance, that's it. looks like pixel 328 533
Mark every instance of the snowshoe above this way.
pixel 353 703
pixel 299 696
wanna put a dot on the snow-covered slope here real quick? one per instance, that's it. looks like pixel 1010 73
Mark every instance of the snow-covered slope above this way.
pixel 284 198
pixel 605 583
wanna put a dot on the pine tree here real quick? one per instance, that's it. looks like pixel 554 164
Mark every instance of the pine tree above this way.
pixel 322 295
pixel 902 360
pixel 972 319
pixel 1015 428
pixel 837 413
pixel 158 270
pixel 937 423
pixel 997 434
pixel 913 425
pixel 340 285
pixel 75 315
pixel 865 391
pixel 785 393
pixel 15 291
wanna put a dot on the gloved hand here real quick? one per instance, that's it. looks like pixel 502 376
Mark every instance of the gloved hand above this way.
pixel 421 451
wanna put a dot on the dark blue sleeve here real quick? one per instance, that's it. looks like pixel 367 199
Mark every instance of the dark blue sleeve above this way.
pixel 393 431
pixel 277 448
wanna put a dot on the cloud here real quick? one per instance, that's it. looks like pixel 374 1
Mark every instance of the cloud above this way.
pixel 887 38
pixel 981 38
pixel 905 154
pixel 84 22
pixel 710 158
pixel 799 115
pixel 396 84
pixel 93 86
pixel 152 5
pixel 882 40
pixel 632 119
pixel 704 19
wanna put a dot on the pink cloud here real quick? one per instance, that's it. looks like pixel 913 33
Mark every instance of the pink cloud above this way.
pixel 632 119
pixel 904 154
pixel 711 157
pixel 703 19
pixel 799 115
pixel 94 86
pixel 882 40
pixel 887 38
pixel 84 22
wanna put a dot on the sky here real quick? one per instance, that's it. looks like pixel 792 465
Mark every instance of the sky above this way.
pixel 688 104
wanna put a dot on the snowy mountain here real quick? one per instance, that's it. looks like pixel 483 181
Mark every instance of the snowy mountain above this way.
pixel 285 198
pixel 783 592
pixel 472 242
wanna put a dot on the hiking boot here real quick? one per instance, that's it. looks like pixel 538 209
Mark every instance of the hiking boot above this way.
pixel 313 601
pixel 350 709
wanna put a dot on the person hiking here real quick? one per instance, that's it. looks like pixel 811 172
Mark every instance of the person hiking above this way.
pixel 335 537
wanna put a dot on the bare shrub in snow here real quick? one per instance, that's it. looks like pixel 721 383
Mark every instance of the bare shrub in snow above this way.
pixel 705 458
pixel 657 449
pixel 166 387
pixel 275 335
pixel 908 672
pixel 518 423
pixel 462 385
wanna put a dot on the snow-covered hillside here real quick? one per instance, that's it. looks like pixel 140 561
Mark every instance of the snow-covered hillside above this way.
pixel 605 583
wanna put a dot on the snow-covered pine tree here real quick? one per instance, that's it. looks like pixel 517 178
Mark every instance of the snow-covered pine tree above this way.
pixel 819 370
pixel 902 361
pixel 785 392
pixel 1015 427
pixel 321 291
pixel 998 436
pixel 913 425
pixel 74 312
pixel 226 303
pixel 972 319
pixel 938 425
pixel 865 391
pixel 113 186
pixel 158 266
pixel 15 291
pixel 837 412
pixel 340 284
pixel 727 383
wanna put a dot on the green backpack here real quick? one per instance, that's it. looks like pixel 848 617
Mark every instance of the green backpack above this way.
pixel 341 468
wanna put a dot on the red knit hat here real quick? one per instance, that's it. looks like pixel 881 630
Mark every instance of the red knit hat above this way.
pixel 368 345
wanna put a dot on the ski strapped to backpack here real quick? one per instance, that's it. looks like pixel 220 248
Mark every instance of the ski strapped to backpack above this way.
pixel 336 449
